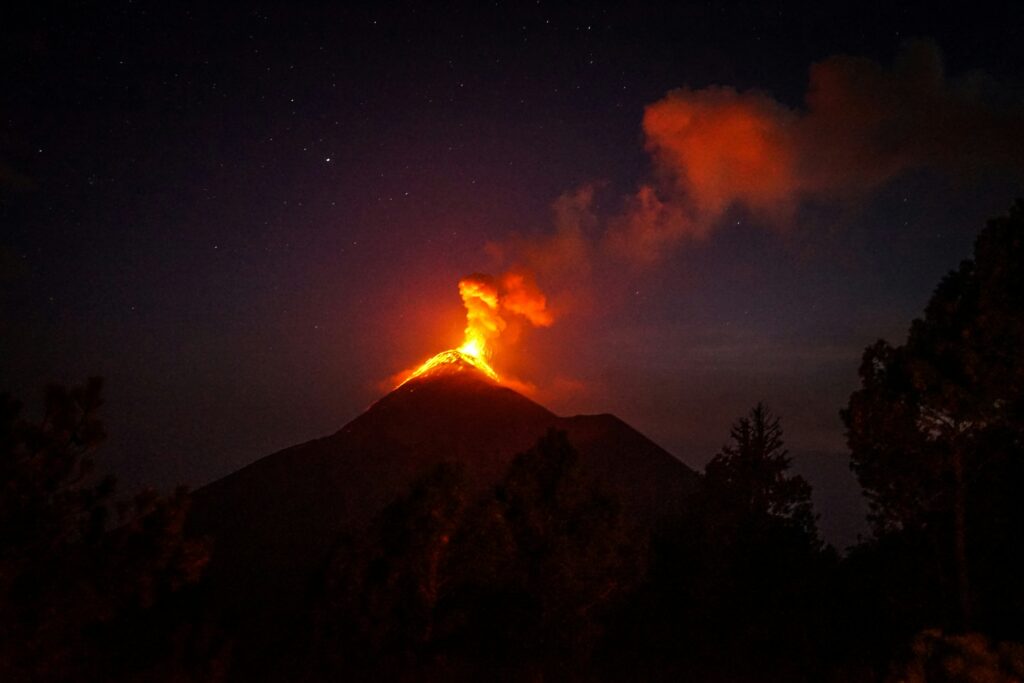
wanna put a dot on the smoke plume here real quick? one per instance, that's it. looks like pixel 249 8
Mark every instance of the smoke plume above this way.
pixel 861 125
pixel 717 149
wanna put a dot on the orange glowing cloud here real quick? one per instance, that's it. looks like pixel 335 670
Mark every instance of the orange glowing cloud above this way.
pixel 523 297
pixel 650 225
pixel 862 124
pixel 721 147
pixel 716 150
pixel 713 149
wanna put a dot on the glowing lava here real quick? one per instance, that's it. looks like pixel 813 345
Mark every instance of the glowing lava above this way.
pixel 483 323
pixel 453 358
pixel 485 302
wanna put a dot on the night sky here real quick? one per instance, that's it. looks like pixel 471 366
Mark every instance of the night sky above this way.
pixel 247 220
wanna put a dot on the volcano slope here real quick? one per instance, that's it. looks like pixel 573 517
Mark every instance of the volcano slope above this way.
pixel 274 523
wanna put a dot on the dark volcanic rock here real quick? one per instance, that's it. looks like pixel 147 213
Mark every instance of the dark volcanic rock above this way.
pixel 275 522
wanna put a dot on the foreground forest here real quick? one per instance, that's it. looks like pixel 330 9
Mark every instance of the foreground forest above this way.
pixel 545 578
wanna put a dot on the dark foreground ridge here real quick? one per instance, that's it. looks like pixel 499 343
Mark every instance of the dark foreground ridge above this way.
pixel 274 523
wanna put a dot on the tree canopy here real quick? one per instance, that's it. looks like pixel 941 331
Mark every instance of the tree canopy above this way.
pixel 752 474
pixel 83 576
pixel 936 430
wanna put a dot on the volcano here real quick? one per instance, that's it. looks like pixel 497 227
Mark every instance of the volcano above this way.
pixel 274 523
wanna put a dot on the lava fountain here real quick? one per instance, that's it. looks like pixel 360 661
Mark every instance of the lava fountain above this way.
pixel 486 301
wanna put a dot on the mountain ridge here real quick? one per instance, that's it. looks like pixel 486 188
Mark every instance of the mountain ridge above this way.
pixel 274 522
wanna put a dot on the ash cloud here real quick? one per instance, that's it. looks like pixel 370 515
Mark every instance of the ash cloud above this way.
pixel 716 150
pixel 861 125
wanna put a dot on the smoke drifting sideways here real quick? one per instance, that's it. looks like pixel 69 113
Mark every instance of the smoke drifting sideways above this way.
pixel 861 125
pixel 716 149
pixel 495 307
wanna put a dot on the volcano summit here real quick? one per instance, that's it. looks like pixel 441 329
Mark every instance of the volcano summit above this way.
pixel 275 522
pixel 449 362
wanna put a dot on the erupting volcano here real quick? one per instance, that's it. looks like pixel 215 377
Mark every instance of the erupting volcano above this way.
pixel 276 524
pixel 452 360
pixel 485 301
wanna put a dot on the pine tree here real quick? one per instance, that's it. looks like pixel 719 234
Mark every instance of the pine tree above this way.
pixel 751 474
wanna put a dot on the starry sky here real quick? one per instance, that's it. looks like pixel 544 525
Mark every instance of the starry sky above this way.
pixel 247 219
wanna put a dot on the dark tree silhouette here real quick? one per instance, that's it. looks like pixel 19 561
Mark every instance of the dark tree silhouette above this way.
pixel 543 561
pixel 937 427
pixel 76 567
pixel 378 608
pixel 514 585
pixel 757 558
pixel 738 583
pixel 751 474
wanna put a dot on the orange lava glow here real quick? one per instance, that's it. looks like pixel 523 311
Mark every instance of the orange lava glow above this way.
pixel 452 357
pixel 485 301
